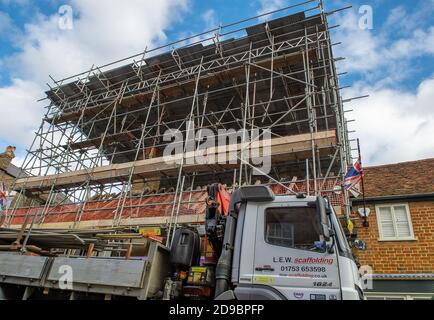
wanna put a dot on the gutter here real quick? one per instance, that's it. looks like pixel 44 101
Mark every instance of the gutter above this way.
pixel 414 197
pixel 413 276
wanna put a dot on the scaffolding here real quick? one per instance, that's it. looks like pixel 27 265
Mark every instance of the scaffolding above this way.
pixel 97 154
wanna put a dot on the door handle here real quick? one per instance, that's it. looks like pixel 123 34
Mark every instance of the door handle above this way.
pixel 264 269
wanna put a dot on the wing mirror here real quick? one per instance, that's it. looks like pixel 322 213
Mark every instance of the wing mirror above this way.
pixel 324 219
pixel 360 245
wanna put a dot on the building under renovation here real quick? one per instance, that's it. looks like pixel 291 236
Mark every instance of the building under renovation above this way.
pixel 97 160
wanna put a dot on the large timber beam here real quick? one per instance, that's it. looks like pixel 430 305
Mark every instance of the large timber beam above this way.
pixel 282 149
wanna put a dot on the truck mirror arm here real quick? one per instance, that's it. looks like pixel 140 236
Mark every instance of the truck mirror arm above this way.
pixel 331 247
pixel 224 265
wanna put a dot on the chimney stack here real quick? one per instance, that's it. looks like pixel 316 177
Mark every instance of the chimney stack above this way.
pixel 6 157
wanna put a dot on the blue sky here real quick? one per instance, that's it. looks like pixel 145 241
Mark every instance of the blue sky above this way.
pixel 393 62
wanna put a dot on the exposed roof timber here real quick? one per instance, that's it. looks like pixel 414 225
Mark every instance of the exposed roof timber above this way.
pixel 172 90
pixel 279 27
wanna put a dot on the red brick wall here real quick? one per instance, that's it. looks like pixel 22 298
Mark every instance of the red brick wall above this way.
pixel 399 257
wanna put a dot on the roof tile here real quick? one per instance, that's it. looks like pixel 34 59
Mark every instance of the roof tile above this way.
pixel 406 178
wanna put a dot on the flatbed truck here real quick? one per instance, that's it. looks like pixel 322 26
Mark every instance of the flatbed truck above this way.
pixel 270 247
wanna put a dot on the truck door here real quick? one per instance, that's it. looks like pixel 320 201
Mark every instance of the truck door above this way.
pixel 286 257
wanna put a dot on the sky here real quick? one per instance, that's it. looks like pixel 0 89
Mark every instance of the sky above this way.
pixel 391 60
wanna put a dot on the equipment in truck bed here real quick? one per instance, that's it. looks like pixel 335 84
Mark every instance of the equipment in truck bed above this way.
pixel 140 278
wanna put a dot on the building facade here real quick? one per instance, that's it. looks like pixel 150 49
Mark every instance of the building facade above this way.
pixel 8 173
pixel 400 235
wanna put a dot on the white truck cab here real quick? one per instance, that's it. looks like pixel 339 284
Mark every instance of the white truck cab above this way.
pixel 271 248
pixel 292 247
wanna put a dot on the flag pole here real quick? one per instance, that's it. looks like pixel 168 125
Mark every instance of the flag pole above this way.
pixel 365 218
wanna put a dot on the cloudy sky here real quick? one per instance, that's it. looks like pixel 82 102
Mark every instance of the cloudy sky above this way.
pixel 393 62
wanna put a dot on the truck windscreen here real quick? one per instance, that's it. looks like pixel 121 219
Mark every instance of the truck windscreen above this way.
pixel 293 227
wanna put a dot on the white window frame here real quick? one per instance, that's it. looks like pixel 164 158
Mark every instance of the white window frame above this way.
pixel 410 223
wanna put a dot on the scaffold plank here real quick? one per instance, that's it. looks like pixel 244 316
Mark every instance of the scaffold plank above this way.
pixel 281 148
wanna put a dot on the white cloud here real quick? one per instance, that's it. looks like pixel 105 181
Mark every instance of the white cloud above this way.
pixel 420 43
pixel 20 113
pixel 210 19
pixel 7 28
pixel 394 125
pixel 104 30
pixel 361 48
pixel 396 18
pixel 268 6
pixel 374 53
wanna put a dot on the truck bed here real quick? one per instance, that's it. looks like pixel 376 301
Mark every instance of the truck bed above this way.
pixel 141 278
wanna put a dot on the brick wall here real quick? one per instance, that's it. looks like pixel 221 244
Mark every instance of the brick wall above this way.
pixel 400 257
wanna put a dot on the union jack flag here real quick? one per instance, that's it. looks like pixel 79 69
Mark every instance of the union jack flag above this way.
pixel 354 175
pixel 3 195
